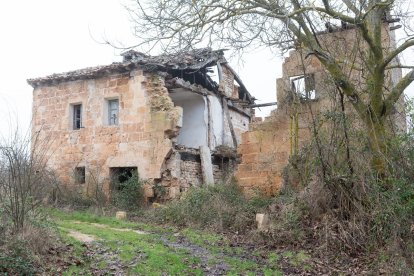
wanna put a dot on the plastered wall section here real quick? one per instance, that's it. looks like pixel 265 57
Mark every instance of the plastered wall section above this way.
pixel 147 121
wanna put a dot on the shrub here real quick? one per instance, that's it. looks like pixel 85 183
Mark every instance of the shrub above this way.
pixel 13 264
pixel 23 253
pixel 128 195
pixel 24 179
pixel 221 207
pixel 64 196
pixel 342 203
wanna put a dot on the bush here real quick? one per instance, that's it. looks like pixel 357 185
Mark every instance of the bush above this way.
pixel 23 253
pixel 220 207
pixel 339 202
pixel 64 196
pixel 13 264
pixel 128 195
pixel 24 179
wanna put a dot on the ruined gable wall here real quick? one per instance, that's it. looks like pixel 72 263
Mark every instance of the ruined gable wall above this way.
pixel 266 147
pixel 147 118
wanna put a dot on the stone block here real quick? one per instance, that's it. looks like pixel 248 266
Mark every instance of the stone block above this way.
pixel 250 158
pixel 148 191
pixel 262 221
pixel 249 148
pixel 122 81
pixel 121 215
pixel 249 137
pixel 156 205
pixel 245 167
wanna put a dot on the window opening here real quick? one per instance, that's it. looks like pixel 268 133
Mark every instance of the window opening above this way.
pixel 113 110
pixel 304 86
pixel 77 116
pixel 80 175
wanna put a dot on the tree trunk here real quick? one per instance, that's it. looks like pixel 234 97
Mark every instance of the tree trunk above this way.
pixel 378 145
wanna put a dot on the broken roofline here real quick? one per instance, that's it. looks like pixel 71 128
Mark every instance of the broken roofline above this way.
pixel 190 62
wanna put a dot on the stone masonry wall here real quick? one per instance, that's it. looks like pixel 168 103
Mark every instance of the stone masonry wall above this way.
pixel 266 147
pixel 147 121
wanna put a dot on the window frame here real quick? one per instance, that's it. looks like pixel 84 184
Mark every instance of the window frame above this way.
pixel 76 117
pixel 110 120
pixel 307 89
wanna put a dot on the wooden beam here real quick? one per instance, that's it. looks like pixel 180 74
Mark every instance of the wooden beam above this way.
pixel 226 111
pixel 263 104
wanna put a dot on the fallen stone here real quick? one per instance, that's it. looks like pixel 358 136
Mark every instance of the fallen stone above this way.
pixel 157 205
pixel 121 215
pixel 262 221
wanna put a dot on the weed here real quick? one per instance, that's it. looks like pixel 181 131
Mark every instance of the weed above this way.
pixel 14 264
pixel 129 194
pixel 221 207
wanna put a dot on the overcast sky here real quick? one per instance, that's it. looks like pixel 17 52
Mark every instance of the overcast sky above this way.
pixel 43 37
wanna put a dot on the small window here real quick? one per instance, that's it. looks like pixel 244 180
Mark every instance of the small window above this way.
pixel 80 175
pixel 77 116
pixel 303 86
pixel 113 111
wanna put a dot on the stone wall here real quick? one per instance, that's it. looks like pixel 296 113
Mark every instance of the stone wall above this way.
pixel 147 121
pixel 181 171
pixel 227 86
pixel 265 149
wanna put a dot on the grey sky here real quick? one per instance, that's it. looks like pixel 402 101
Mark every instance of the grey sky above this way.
pixel 43 37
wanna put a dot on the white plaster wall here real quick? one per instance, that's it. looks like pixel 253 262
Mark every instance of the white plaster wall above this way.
pixel 193 133
pixel 227 139
pixel 240 124
pixel 216 122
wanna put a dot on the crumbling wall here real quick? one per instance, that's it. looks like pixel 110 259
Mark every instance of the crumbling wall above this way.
pixel 265 149
pixel 240 123
pixel 227 86
pixel 181 171
pixel 264 152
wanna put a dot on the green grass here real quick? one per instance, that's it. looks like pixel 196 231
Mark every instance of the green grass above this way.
pixel 299 259
pixel 213 242
pixel 147 252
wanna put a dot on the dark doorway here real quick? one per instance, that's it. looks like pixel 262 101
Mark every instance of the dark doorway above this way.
pixel 121 175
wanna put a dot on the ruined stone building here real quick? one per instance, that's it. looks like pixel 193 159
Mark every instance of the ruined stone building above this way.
pixel 304 91
pixel 163 117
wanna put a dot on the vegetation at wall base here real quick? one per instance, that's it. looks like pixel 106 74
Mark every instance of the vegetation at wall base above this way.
pixel 128 195
pixel 222 208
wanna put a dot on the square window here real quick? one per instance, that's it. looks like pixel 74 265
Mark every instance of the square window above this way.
pixel 113 111
pixel 303 86
pixel 80 175
pixel 76 116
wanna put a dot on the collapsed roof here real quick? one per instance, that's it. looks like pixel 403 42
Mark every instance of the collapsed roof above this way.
pixel 192 66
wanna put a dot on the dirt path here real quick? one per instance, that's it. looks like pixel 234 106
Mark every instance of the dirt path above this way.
pixel 81 237
pixel 97 252
pixel 111 247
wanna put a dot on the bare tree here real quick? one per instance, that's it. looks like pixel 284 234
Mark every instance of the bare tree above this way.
pixel 24 178
pixel 182 24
